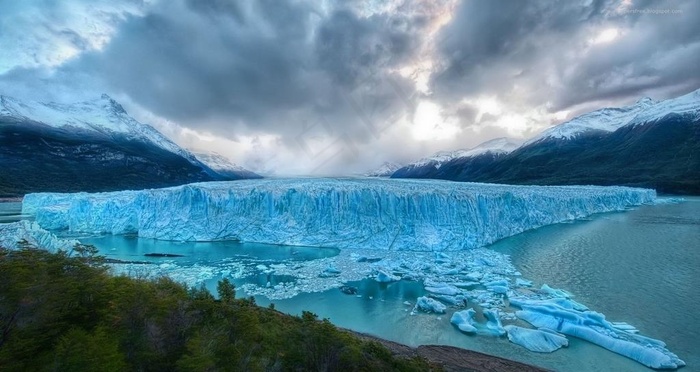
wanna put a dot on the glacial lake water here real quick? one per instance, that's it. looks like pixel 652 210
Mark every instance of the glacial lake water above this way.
pixel 640 266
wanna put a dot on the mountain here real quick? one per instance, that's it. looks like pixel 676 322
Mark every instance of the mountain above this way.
pixel 87 146
pixel 605 121
pixel 649 144
pixel 223 166
pixel 385 170
pixel 479 156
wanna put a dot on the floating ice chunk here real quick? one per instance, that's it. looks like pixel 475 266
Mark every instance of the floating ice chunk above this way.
pixel 558 301
pixel 593 327
pixel 493 323
pixel 497 286
pixel 385 277
pixel 669 200
pixel 464 320
pixel 624 327
pixel 443 288
pixel 499 283
pixel 458 300
pixel 498 289
pixel 465 284
pixel 540 341
pixel 560 293
pixel 429 305
pixel 523 283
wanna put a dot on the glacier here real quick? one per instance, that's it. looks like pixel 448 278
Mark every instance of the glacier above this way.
pixel 414 215
pixel 12 233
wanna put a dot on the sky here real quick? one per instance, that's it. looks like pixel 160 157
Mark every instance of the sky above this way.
pixel 339 86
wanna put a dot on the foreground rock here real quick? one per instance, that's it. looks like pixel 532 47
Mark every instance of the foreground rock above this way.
pixel 453 358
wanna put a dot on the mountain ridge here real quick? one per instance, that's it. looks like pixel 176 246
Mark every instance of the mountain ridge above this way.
pixel 649 144
pixel 88 146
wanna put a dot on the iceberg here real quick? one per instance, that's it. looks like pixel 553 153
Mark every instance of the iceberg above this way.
pixel 386 277
pixel 412 215
pixel 541 341
pixel 464 320
pixel 493 323
pixel 429 305
pixel 592 327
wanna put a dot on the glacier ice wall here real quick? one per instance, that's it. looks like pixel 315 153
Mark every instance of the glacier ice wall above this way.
pixel 12 233
pixel 421 215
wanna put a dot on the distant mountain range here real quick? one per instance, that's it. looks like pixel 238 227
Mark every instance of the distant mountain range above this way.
pixel 385 170
pixel 649 144
pixel 223 166
pixel 91 146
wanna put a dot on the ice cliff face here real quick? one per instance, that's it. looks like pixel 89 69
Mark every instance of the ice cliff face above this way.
pixel 417 215
pixel 12 233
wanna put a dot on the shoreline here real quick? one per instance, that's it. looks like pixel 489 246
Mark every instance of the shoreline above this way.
pixel 452 358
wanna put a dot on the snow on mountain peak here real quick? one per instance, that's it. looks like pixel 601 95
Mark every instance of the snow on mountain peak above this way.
pixel 607 119
pixel 611 119
pixel 385 170
pixel 500 145
pixel 218 162
pixel 103 115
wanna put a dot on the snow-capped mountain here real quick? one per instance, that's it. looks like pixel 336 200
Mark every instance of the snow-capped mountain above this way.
pixel 606 120
pixel 103 115
pixel 223 165
pixel 611 119
pixel 501 145
pixel 649 144
pixel 429 165
pixel 385 170
pixel 87 146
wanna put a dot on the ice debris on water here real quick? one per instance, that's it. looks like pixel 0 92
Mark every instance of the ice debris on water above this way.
pixel 591 326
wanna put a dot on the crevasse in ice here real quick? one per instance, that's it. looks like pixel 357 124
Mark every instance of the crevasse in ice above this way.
pixel 418 215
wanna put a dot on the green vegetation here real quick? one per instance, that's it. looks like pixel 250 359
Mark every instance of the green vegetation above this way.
pixel 64 312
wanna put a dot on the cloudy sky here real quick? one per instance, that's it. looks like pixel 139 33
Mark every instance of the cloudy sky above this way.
pixel 339 86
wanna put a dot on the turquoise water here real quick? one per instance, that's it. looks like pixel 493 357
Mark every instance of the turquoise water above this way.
pixel 131 248
pixel 10 211
pixel 639 266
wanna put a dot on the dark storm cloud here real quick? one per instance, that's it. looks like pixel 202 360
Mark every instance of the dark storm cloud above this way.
pixel 543 48
pixel 272 66
pixel 351 48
